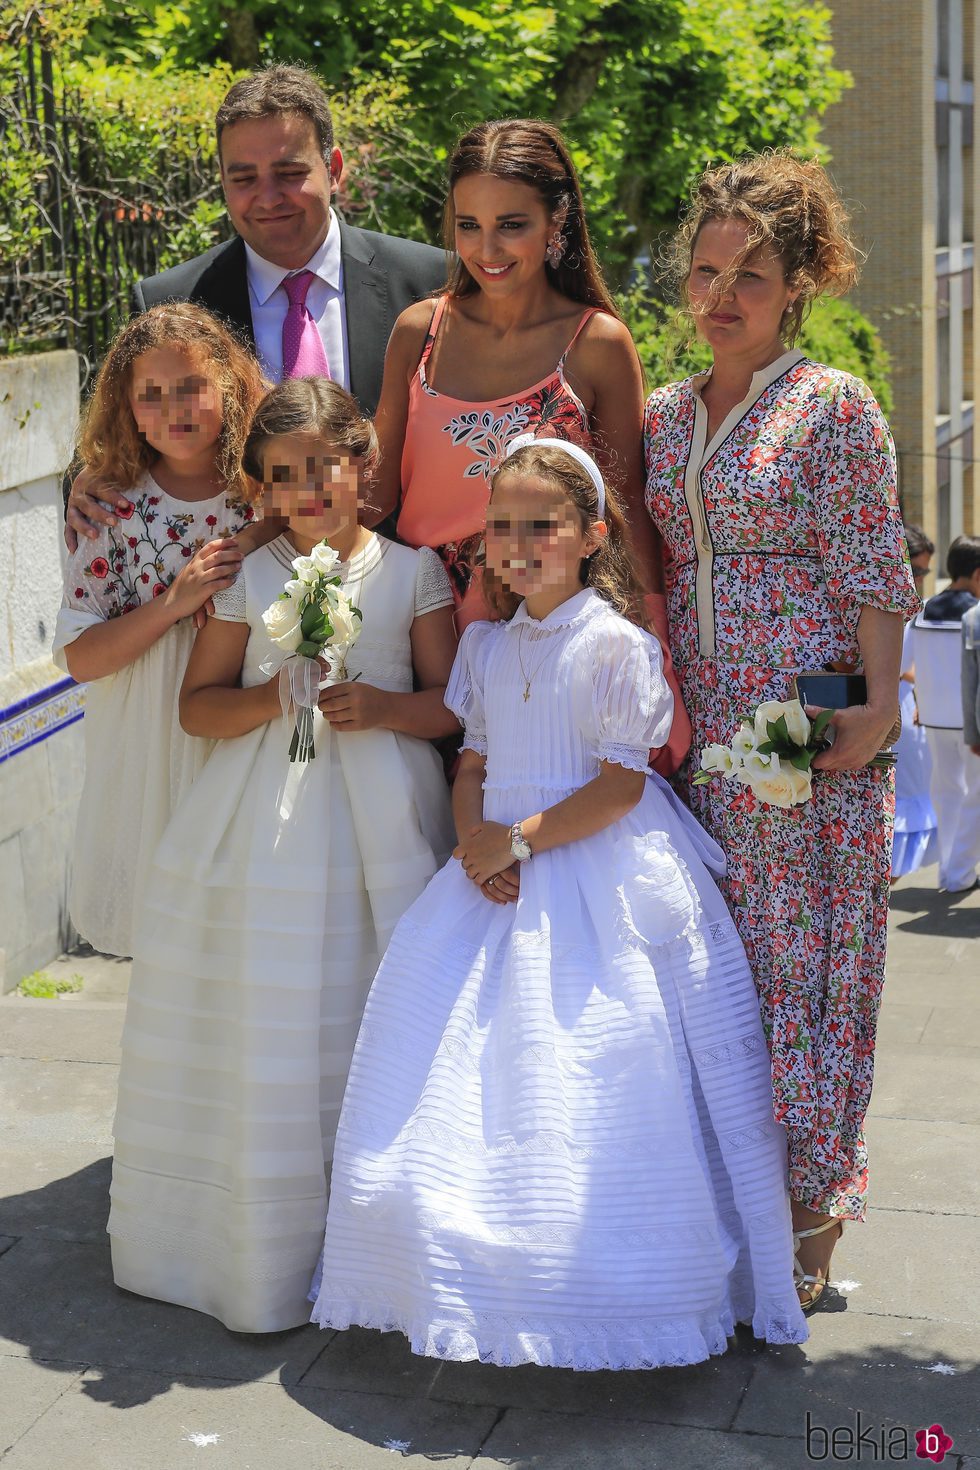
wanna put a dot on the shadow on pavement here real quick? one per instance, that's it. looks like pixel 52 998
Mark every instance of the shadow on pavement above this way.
pixel 944 915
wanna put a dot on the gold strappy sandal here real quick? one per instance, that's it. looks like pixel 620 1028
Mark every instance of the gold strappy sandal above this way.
pixel 810 1288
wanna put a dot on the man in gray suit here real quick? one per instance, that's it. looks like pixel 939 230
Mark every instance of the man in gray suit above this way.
pixel 280 169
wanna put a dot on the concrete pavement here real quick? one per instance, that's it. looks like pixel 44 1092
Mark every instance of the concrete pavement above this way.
pixel 95 1379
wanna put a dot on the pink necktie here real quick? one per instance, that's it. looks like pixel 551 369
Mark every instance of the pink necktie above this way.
pixel 302 346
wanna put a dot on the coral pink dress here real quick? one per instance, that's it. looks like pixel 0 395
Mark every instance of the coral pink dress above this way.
pixel 778 532
pixel 453 446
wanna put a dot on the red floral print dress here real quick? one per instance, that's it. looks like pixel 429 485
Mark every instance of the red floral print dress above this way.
pixel 777 533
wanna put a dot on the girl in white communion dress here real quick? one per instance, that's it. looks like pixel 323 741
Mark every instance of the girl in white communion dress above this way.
pixel 557 1143
pixel 274 891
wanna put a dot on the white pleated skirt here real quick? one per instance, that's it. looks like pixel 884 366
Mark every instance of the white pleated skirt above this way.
pixel 557 1144
pixel 270 901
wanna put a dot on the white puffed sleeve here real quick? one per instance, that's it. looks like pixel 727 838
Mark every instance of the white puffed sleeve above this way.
pixel 464 692
pixel 229 603
pixel 92 592
pixel 632 705
pixel 432 589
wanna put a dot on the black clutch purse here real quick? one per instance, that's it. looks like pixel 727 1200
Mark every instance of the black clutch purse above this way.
pixel 840 691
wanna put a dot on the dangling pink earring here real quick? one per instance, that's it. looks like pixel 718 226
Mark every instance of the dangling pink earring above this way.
pixel 556 249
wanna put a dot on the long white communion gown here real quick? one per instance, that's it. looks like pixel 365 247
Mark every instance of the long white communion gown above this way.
pixel 557 1144
pixel 272 895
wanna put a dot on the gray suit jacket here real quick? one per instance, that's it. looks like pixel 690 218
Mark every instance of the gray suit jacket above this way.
pixel 382 275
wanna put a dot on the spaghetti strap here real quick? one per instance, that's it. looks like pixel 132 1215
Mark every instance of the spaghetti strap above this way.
pixel 585 317
pixel 430 336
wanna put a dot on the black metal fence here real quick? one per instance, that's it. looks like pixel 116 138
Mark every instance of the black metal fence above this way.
pixel 92 235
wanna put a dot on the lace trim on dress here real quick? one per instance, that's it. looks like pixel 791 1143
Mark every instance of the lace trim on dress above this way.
pixel 629 756
pixel 509 1339
pixel 229 602
pixel 432 587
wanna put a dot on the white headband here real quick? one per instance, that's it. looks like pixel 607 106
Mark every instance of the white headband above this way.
pixel 580 455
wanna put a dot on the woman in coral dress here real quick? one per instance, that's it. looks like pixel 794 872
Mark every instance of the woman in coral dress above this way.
pixel 772 481
pixel 526 339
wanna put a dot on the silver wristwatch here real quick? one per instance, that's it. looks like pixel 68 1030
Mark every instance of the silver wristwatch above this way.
pixel 519 844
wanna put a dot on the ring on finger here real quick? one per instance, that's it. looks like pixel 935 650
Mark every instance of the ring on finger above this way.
pixel 491 882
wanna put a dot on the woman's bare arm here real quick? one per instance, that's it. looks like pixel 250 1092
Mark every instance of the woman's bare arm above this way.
pixel 401 360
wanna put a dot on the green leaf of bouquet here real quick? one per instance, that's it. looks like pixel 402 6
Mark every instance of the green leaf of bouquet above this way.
pixel 702 778
pixel 767 747
pixel 312 619
pixel 308 650
pixel 801 760
pixel 820 724
pixel 777 729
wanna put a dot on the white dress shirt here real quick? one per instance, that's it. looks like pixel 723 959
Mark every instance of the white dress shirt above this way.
pixel 325 301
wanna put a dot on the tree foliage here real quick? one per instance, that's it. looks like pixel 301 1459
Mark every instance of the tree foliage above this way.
pixel 648 91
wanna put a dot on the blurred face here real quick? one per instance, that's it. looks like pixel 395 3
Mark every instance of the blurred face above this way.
pixel 745 315
pixel 535 539
pixel 312 484
pixel 502 231
pixel 178 409
pixel 278 186
pixel 921 564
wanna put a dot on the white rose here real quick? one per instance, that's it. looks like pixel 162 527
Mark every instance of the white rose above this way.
pixel 283 623
pixel 305 568
pixel 758 767
pixel 797 724
pixel 324 558
pixel 744 743
pixel 785 787
pixel 717 758
pixel 296 589
pixel 346 626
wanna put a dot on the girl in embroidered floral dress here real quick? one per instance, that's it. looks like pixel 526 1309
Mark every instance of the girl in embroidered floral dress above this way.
pixel 167 419
pixel 772 481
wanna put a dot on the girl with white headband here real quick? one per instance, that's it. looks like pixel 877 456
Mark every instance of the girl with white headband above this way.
pixel 557 1143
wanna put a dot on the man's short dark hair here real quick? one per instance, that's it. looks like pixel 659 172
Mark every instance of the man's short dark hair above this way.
pixel 918 542
pixel 963 557
pixel 275 90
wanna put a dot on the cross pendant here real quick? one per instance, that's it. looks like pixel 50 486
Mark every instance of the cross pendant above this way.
pixel 527 691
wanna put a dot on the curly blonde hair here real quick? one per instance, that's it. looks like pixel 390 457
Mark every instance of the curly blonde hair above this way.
pixel 790 205
pixel 610 570
pixel 109 442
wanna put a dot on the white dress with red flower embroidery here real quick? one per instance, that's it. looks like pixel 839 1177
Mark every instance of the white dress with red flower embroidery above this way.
pixel 270 901
pixel 138 761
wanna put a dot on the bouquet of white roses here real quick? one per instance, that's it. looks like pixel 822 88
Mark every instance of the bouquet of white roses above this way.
pixel 310 618
pixel 772 753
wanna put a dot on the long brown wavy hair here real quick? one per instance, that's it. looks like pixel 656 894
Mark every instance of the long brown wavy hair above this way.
pixel 610 570
pixel 109 442
pixel 528 151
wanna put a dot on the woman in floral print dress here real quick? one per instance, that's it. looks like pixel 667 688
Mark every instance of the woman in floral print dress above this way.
pixel 526 305
pixel 772 481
